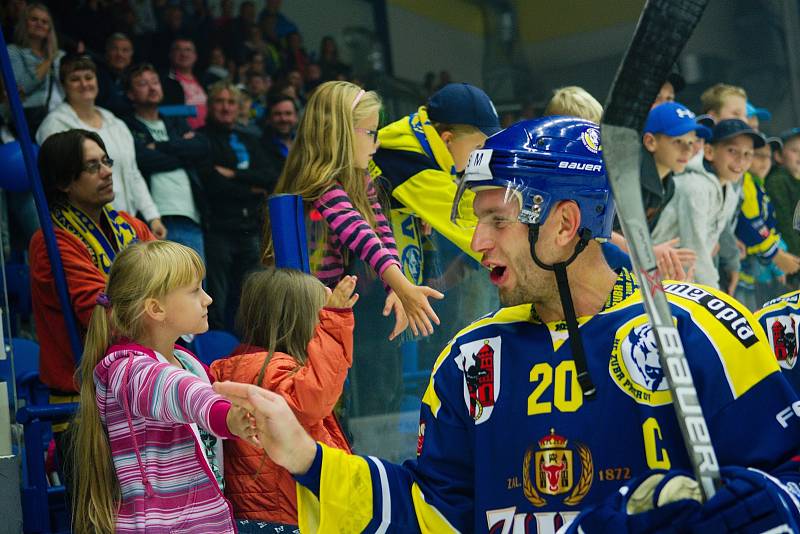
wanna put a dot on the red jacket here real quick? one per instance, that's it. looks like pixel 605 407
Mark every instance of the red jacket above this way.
pixel 311 391
pixel 84 282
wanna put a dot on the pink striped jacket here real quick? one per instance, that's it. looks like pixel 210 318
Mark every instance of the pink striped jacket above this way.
pixel 146 408
pixel 349 230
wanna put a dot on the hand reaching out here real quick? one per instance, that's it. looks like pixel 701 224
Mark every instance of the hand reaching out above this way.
pixel 241 423
pixel 277 430
pixel 342 296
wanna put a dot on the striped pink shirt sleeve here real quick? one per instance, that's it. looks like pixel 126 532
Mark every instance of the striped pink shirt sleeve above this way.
pixel 374 246
pixel 163 392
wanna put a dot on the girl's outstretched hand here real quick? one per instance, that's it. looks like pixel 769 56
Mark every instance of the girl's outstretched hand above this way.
pixel 277 430
pixel 417 309
pixel 393 304
pixel 241 423
pixel 342 296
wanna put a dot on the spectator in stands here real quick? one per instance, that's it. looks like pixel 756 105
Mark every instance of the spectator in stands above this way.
pixel 167 153
pixel 419 156
pixel 297 341
pixel 241 30
pixel 217 67
pixel 245 122
pixel 705 201
pixel 256 43
pixel 296 56
pixel 78 77
pixel 674 85
pixel 283 26
pixel 172 30
pixel 237 177
pixel 279 127
pixel 183 87
pixel 332 67
pixel 78 183
pixel 111 75
pixel 783 187
pixel 35 60
pixel 313 78
pixel 723 101
pixel 574 101
pixel 257 85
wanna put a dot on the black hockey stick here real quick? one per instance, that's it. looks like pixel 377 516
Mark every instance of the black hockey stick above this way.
pixel 663 29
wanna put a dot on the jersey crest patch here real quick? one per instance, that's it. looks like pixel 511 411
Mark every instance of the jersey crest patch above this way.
pixel 480 363
pixel 782 332
pixel 634 364
pixel 551 470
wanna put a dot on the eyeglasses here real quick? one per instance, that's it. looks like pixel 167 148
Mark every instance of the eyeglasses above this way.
pixel 93 167
pixel 367 131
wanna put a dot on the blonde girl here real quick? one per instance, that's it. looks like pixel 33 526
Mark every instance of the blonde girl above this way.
pixel 298 342
pixel 335 141
pixel 144 455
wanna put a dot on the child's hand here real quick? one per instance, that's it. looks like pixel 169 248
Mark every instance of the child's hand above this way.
pixel 241 423
pixel 417 309
pixel 277 428
pixel 342 296
pixel 393 304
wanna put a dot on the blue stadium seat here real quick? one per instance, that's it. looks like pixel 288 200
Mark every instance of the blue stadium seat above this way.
pixel 213 345
pixel 26 371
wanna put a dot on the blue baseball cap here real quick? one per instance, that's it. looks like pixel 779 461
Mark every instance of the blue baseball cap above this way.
pixel 728 128
pixel 462 103
pixel 763 114
pixel 673 119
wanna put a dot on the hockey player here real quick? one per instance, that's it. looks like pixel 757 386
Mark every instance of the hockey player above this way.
pixel 523 425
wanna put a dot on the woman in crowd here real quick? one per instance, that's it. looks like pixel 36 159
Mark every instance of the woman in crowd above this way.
pixel 35 60
pixel 79 77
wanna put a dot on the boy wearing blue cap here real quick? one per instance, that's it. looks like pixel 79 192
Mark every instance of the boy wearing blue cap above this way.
pixel 705 200
pixel 420 154
pixel 670 134
pixel 783 187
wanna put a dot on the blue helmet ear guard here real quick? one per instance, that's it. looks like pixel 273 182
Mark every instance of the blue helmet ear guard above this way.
pixel 548 160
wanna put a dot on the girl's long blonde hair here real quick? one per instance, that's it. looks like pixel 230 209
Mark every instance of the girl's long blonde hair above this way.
pixel 141 271
pixel 324 150
pixel 278 312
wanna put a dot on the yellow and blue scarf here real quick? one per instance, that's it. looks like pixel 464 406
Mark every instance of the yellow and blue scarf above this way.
pixel 77 223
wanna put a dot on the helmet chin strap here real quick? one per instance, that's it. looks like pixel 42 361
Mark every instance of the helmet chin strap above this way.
pixel 560 270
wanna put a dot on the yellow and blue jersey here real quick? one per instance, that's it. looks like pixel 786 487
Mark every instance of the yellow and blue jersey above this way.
pixel 508 443
pixel 756 226
pixel 780 318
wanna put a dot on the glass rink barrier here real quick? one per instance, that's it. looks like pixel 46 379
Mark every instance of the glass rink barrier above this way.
pixel 381 402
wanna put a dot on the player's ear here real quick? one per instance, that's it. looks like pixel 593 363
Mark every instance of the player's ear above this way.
pixel 650 142
pixel 569 221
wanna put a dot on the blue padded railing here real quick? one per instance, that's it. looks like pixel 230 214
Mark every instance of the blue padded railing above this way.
pixel 41 503
pixel 24 138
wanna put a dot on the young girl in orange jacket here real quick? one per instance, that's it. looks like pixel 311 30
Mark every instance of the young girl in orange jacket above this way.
pixel 297 340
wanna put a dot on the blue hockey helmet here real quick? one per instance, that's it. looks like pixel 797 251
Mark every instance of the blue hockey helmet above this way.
pixel 541 162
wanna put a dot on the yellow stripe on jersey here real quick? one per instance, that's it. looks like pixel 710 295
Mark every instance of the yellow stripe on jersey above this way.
pixel 346 484
pixel 788 301
pixel 430 520
pixel 727 323
pixel 515 314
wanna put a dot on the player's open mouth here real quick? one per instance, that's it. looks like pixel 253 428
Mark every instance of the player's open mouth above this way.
pixel 497 275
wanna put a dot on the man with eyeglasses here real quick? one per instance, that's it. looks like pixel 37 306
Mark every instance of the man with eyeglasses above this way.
pixel 76 176
pixel 705 200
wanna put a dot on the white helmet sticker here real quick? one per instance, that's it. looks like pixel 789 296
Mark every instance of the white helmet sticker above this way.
pixel 478 165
